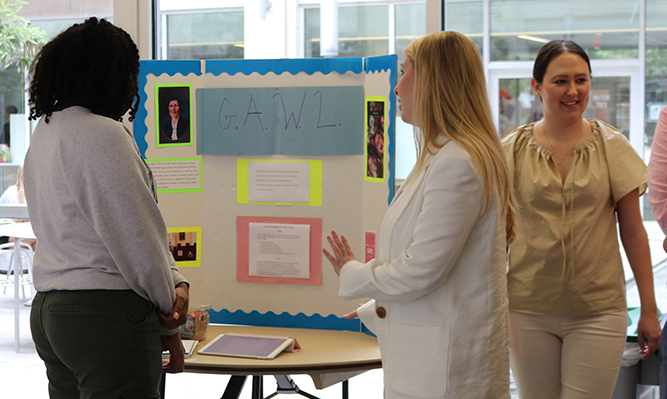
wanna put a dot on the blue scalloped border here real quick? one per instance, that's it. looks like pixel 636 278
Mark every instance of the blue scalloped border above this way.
pixel 270 319
pixel 380 64
pixel 279 66
pixel 157 68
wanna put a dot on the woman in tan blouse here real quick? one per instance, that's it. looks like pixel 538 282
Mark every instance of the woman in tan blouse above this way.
pixel 573 177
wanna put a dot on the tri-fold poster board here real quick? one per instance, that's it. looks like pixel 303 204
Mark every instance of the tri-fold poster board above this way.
pixel 255 162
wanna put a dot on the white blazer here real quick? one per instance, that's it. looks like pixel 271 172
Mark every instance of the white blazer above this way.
pixel 439 286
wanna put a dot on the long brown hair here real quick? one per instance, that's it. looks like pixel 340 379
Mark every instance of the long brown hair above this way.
pixel 450 99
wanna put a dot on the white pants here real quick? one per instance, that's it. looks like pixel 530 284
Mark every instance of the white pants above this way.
pixel 566 357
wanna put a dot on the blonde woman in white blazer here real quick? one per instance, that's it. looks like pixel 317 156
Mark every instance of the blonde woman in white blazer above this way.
pixel 438 284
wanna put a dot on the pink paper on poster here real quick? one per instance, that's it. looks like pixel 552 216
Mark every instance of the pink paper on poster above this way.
pixel 243 250
pixel 370 245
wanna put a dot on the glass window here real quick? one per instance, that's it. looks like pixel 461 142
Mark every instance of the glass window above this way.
pixel 11 93
pixel 517 105
pixel 656 74
pixel 656 63
pixel 204 35
pixel 53 27
pixel 610 102
pixel 311 22
pixel 362 31
pixel 12 100
pixel 467 18
pixel 409 26
pixel 606 29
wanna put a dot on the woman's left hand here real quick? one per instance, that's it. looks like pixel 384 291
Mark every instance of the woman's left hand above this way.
pixel 172 343
pixel 342 252
pixel 648 332
pixel 180 311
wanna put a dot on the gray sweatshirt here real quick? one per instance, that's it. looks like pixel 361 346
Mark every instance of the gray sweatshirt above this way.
pixel 92 208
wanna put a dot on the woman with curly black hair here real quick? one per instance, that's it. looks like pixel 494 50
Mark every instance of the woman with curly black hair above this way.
pixel 110 297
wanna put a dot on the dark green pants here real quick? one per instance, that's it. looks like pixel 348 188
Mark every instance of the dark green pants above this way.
pixel 97 344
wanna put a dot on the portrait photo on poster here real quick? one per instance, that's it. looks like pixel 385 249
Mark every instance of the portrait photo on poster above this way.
pixel 174 109
pixel 375 138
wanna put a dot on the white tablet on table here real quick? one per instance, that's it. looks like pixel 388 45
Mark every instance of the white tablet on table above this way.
pixel 252 346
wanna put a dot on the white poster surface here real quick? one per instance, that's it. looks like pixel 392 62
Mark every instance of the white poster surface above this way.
pixel 279 250
pixel 279 182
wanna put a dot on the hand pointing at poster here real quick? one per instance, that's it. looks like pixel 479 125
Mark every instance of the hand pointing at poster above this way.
pixel 342 252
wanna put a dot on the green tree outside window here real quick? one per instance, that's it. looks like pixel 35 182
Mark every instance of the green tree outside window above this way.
pixel 19 40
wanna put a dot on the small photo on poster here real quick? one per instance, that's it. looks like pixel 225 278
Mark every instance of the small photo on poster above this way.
pixel 375 138
pixel 184 245
pixel 173 108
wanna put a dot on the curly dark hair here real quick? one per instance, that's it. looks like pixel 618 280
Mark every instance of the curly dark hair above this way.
pixel 93 64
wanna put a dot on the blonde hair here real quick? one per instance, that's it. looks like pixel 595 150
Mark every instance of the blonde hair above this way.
pixel 450 99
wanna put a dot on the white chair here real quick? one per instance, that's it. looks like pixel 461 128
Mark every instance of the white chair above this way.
pixel 26 255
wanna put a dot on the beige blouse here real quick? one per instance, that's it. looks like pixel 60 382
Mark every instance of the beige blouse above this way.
pixel 566 260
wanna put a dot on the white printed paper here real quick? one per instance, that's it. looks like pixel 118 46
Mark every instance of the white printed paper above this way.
pixel 279 182
pixel 279 250
pixel 176 175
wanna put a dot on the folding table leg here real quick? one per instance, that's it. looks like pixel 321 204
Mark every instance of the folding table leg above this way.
pixel 257 387
pixel 287 385
pixel 234 387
